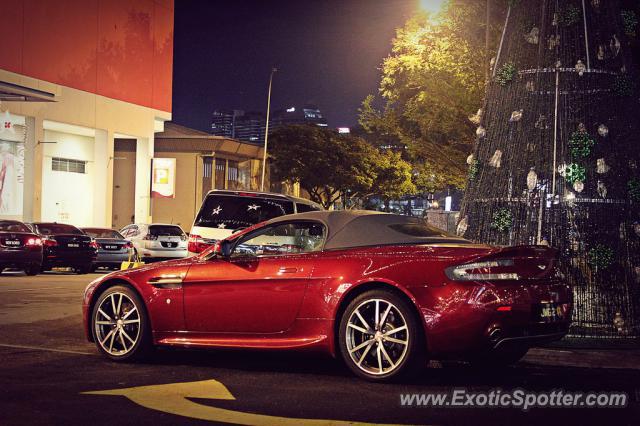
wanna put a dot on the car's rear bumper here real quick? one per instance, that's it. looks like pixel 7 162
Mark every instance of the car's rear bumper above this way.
pixel 106 258
pixel 60 258
pixel 9 258
pixel 147 254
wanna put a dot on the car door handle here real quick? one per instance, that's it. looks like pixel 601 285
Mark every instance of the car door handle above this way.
pixel 167 281
pixel 284 270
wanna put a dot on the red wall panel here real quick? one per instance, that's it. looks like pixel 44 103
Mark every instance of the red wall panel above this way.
pixel 122 49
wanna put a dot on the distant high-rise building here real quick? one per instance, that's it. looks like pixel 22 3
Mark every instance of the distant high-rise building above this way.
pixel 308 114
pixel 223 122
pixel 250 127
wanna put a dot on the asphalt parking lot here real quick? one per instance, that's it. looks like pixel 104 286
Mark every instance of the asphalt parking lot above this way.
pixel 47 367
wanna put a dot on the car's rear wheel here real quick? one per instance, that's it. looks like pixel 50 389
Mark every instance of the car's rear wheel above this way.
pixel 380 337
pixel 32 270
pixel 120 325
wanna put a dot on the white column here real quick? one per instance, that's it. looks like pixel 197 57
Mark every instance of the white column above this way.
pixel 103 178
pixel 33 163
pixel 144 154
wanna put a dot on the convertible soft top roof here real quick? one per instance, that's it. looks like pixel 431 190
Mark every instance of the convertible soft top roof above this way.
pixel 361 228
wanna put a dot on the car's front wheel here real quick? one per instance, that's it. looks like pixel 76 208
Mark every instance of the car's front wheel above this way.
pixel 380 337
pixel 120 325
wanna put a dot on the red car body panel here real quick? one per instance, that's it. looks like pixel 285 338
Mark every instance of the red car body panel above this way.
pixel 293 301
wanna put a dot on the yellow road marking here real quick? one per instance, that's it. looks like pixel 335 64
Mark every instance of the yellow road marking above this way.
pixel 172 398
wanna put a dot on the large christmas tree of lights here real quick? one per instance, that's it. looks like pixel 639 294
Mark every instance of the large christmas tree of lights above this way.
pixel 557 159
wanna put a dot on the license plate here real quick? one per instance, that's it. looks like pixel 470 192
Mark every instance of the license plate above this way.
pixel 111 247
pixel 551 312
pixel 73 245
pixel 12 243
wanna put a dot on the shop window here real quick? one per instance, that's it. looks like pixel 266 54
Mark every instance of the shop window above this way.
pixel 67 165
pixel 233 175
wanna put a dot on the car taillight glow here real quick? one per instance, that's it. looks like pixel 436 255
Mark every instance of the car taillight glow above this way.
pixel 492 270
pixel 94 244
pixel 128 245
pixel 34 242
pixel 197 244
pixel 49 242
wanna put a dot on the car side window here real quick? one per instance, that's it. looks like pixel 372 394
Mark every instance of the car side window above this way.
pixel 282 239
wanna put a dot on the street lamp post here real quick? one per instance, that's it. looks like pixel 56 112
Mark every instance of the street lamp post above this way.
pixel 266 131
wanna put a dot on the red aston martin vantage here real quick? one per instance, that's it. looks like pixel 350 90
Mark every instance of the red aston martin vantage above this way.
pixel 382 291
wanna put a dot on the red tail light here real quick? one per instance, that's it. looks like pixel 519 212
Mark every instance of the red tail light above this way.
pixel 94 244
pixel 34 242
pixel 490 270
pixel 197 244
pixel 128 245
pixel 49 242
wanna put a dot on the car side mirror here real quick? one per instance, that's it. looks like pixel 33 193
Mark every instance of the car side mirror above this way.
pixel 225 248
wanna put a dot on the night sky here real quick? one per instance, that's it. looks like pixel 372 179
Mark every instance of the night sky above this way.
pixel 327 52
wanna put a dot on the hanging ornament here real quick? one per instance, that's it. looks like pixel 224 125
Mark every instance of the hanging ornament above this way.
pixel 575 172
pixel 600 52
pixel 629 22
pixel 632 164
pixel 470 159
pixel 530 86
pixel 475 119
pixel 554 22
pixel 602 189
pixel 580 68
pixel 462 226
pixel 618 323
pixel 578 186
pixel 634 189
pixel 580 143
pixel 532 179
pixel 614 45
pixel 601 166
pixel 600 256
pixel 623 86
pixel 473 169
pixel 492 63
pixel 506 73
pixel 603 130
pixel 541 122
pixel 562 170
pixel 570 15
pixel 532 36
pixel 481 132
pixel 516 116
pixel 502 220
pixel 496 159
pixel 553 41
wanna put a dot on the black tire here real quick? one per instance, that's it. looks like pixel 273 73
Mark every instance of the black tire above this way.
pixel 84 269
pixel 93 268
pixel 143 344
pixel 409 358
pixel 32 270
pixel 498 358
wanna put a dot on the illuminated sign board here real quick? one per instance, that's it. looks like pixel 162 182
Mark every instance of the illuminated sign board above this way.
pixel 163 178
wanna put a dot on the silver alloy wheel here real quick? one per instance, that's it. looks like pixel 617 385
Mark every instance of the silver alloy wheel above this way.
pixel 377 336
pixel 117 324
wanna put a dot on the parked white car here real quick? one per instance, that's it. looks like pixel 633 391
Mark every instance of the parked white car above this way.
pixel 156 241
pixel 224 212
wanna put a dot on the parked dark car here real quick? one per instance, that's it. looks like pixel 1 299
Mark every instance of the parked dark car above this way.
pixel 20 248
pixel 113 249
pixel 65 246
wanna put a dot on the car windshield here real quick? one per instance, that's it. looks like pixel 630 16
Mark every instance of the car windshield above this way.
pixel 236 212
pixel 166 230
pixel 56 229
pixel 103 233
pixel 9 226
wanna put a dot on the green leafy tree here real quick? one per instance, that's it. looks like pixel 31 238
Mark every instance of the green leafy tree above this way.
pixel 432 81
pixel 324 163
